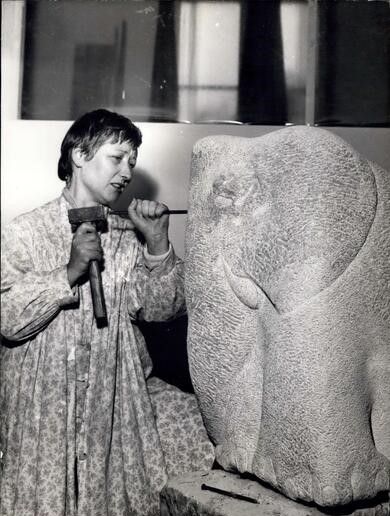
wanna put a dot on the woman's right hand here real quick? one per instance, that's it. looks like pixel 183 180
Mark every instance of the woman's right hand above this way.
pixel 86 246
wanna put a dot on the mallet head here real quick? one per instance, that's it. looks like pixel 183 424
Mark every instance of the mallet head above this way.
pixel 93 214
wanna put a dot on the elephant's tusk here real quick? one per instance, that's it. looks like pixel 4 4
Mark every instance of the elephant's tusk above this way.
pixel 244 288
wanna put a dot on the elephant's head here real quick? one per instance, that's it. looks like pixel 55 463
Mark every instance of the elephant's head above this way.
pixel 280 248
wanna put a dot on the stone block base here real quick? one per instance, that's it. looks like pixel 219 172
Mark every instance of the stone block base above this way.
pixel 183 496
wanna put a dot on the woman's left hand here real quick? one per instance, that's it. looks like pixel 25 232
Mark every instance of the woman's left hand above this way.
pixel 151 218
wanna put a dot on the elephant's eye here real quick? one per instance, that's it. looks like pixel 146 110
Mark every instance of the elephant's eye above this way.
pixel 236 189
pixel 224 188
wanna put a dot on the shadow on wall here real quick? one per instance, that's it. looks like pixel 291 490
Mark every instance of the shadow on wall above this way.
pixel 167 346
pixel 142 186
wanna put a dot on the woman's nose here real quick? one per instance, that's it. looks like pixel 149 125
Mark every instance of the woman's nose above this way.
pixel 126 171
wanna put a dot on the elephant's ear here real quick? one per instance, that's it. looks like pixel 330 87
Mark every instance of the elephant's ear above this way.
pixel 323 203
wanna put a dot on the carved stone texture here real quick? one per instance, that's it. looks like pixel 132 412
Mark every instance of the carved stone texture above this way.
pixel 288 294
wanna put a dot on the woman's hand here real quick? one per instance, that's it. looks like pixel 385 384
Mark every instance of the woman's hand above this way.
pixel 86 246
pixel 151 219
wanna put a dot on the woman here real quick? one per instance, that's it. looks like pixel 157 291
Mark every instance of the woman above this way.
pixel 79 429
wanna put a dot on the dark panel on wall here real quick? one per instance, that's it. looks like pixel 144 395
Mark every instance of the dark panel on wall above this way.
pixel 262 89
pixel 29 59
pixel 164 82
pixel 353 77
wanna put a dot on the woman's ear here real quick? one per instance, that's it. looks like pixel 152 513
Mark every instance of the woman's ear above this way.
pixel 77 157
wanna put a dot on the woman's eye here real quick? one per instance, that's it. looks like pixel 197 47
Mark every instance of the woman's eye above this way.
pixel 117 158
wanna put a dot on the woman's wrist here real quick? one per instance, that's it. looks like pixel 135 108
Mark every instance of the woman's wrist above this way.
pixel 157 246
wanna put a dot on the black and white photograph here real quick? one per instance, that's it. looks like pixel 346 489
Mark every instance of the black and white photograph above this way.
pixel 195 258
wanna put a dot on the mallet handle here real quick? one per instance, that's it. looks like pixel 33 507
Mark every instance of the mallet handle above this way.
pixel 95 281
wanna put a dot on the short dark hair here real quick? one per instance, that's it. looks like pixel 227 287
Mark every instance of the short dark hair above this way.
pixel 92 130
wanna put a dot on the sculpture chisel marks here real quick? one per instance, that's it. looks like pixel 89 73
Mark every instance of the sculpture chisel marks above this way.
pixel 288 293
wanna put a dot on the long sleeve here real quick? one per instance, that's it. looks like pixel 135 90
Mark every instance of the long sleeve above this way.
pixel 31 296
pixel 156 291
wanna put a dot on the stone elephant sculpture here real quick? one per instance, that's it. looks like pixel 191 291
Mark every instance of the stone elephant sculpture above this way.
pixel 288 295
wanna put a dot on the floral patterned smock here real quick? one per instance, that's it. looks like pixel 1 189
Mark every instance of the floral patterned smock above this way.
pixel 81 433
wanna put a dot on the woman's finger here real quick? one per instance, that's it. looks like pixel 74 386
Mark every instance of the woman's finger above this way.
pixel 161 209
pixel 152 209
pixel 145 208
pixel 85 227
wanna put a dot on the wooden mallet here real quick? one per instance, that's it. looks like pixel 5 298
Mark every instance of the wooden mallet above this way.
pixel 95 215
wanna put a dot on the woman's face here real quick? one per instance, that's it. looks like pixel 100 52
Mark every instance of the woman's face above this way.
pixel 102 179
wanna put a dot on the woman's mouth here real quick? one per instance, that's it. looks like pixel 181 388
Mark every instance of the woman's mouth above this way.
pixel 119 187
